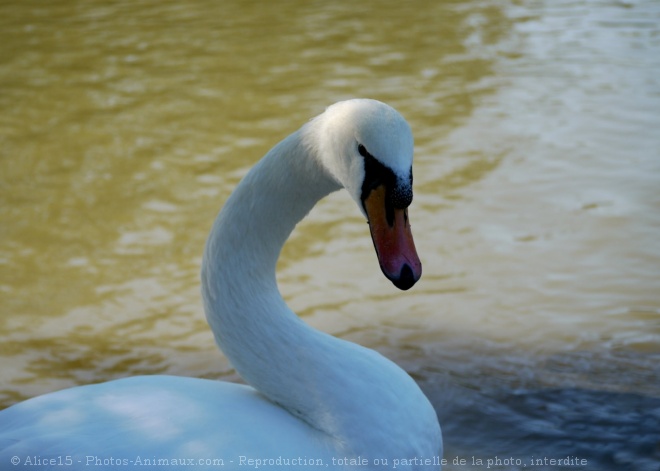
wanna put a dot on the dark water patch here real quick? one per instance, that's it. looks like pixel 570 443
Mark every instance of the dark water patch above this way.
pixel 611 431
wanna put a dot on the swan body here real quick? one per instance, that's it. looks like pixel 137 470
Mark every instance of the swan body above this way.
pixel 312 399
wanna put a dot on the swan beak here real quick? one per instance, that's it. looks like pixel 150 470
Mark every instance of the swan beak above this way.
pixel 393 240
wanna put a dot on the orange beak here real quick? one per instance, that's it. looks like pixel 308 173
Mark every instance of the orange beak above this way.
pixel 393 240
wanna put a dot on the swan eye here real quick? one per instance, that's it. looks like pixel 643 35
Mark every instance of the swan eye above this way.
pixel 363 150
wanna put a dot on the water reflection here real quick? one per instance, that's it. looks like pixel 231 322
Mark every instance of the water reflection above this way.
pixel 126 125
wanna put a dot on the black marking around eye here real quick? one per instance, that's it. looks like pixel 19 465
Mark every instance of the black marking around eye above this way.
pixel 398 191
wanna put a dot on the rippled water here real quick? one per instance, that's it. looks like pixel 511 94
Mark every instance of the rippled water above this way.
pixel 536 327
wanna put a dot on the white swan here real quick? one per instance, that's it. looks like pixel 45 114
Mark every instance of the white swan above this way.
pixel 315 400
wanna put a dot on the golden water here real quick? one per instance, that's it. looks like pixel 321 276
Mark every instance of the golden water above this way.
pixel 125 125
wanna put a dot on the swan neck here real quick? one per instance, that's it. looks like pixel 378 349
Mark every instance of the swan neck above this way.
pixel 243 305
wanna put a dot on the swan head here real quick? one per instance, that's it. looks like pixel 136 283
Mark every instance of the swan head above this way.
pixel 367 147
